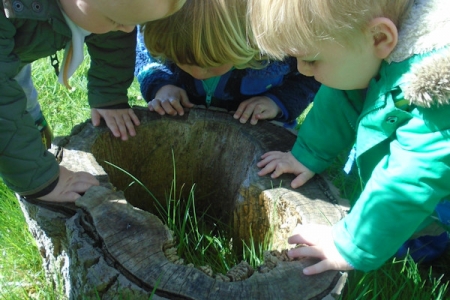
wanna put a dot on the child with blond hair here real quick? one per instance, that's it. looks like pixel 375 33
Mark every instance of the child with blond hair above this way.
pixel 203 55
pixel 31 30
pixel 385 73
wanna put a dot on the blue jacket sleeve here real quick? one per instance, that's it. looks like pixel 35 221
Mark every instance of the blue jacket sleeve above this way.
pixel 151 74
pixel 295 92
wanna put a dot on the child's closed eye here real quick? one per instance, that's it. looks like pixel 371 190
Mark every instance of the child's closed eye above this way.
pixel 308 62
pixel 115 24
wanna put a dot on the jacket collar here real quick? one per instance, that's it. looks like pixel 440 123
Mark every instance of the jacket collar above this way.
pixel 428 84
pixel 424 30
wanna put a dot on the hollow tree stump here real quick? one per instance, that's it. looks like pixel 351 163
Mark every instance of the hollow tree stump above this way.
pixel 111 245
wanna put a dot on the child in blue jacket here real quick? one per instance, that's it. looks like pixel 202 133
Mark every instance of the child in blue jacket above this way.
pixel 202 55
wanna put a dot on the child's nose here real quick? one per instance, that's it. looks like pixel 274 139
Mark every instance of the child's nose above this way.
pixel 198 73
pixel 304 68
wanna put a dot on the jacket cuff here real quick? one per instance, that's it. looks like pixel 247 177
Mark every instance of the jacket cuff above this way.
pixel 310 161
pixel 43 192
pixel 355 256
pixel 284 114
pixel 116 106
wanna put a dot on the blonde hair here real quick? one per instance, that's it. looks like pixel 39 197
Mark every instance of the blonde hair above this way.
pixel 283 27
pixel 204 33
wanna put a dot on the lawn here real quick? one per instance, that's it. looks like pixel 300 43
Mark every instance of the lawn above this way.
pixel 21 273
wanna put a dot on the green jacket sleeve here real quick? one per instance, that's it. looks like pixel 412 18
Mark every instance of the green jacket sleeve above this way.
pixel 25 165
pixel 402 192
pixel 111 72
pixel 328 129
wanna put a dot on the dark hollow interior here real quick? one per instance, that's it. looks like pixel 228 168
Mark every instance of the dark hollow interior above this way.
pixel 215 156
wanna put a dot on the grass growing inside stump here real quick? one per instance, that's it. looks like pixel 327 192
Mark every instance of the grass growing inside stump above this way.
pixel 202 240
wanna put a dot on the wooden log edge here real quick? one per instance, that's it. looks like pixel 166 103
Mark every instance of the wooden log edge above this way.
pixel 134 250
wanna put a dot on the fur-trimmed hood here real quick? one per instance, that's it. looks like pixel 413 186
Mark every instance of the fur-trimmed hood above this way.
pixel 424 29
pixel 429 81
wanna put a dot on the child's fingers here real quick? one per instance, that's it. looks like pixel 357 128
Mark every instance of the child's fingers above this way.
pixel 301 179
pixel 80 187
pixel 248 111
pixel 281 168
pixel 95 117
pixel 70 185
pixel 328 262
pixel 306 251
pixel 268 168
pixel 263 111
pixel 133 117
pixel 125 120
pixel 270 153
pixel 320 267
pixel 241 108
pixel 155 105
pixel 308 234
pixel 170 106
pixel 129 126
pixel 275 162
pixel 254 119
pixel 185 99
pixel 296 239
pixel 117 124
pixel 177 107
pixel 87 178
pixel 244 117
pixel 167 106
pixel 112 125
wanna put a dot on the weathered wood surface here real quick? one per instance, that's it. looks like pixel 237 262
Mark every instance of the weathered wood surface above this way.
pixel 114 247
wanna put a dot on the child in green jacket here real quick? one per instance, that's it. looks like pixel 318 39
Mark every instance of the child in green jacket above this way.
pixel 385 73
pixel 30 30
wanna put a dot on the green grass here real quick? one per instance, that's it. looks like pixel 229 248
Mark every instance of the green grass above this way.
pixel 21 273
pixel 397 280
pixel 20 261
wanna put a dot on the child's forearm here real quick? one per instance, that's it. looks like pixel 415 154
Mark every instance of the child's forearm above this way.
pixel 328 130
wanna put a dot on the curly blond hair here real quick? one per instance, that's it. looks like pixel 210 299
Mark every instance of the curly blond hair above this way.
pixel 294 26
pixel 204 33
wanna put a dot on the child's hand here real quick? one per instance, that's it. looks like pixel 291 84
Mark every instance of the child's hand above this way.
pixel 70 186
pixel 259 108
pixel 320 245
pixel 119 121
pixel 284 162
pixel 170 100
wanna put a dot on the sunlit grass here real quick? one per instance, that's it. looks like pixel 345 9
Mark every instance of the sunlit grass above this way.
pixel 21 273
pixel 396 280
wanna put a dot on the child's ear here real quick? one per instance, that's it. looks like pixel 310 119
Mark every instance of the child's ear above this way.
pixel 385 36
